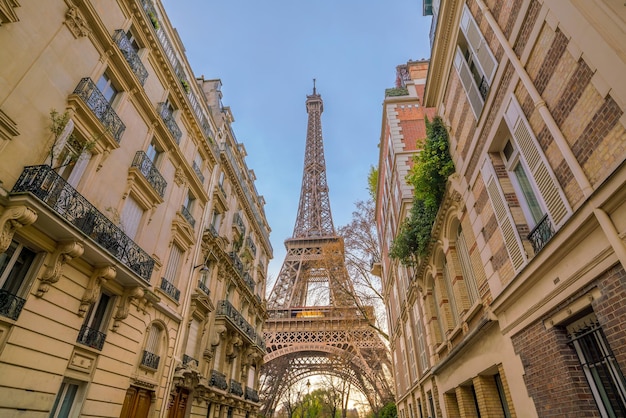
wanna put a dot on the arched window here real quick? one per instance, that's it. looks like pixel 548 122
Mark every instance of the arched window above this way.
pixel 466 267
pixel 447 278
pixel 151 353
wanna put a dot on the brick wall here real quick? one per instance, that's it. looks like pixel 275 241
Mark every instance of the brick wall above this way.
pixel 553 374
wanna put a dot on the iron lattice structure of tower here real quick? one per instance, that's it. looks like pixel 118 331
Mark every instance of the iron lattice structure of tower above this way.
pixel 316 324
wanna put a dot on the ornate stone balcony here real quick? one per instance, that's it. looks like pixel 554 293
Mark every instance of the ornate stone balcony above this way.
pixel 101 108
pixel 145 166
pixel 170 289
pixel 150 360
pixel 91 337
pixel 218 380
pixel 251 394
pixel 131 55
pixel 236 262
pixel 189 361
pixel 10 304
pixel 170 123
pixel 235 388
pixel 50 188
pixel 541 234
pixel 226 309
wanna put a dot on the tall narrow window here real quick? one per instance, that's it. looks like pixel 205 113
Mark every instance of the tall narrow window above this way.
pixel 93 331
pixel 131 217
pixel 529 202
pixel 601 369
pixel 502 395
pixel 15 264
pixel 466 266
pixel 192 341
pixel 106 87
pixel 447 278
pixel 151 355
pixel 168 282
pixel 68 400
pixel 154 153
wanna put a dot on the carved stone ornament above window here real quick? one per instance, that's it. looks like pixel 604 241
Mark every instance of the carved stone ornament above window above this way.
pixel 75 22
pixel 7 14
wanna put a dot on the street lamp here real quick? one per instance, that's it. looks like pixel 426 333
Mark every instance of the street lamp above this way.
pixel 308 401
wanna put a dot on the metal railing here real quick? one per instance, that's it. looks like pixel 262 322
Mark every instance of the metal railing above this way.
pixel 188 360
pixel 203 287
pixel 235 388
pixel 91 337
pixel 238 222
pixel 541 234
pixel 249 281
pixel 236 262
pixel 225 308
pixel 150 360
pixel 168 118
pixel 10 304
pixel 185 212
pixel 212 230
pixel 483 88
pixel 101 108
pixel 131 55
pixel 198 172
pixel 170 289
pixel 251 245
pixel 218 380
pixel 251 394
pixel 150 172
pixel 45 184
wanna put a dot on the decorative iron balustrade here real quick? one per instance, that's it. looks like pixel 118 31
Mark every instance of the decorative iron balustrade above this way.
pixel 168 118
pixel 226 309
pixel 218 380
pixel 198 172
pixel 150 172
pixel 235 388
pixel 212 230
pixel 45 184
pixel 91 337
pixel 131 55
pixel 10 305
pixel 101 108
pixel 203 287
pixel 260 342
pixel 483 88
pixel 189 361
pixel 221 186
pixel 185 212
pixel 249 281
pixel 150 360
pixel 541 234
pixel 170 289
pixel 251 245
pixel 251 394
pixel 238 222
pixel 236 262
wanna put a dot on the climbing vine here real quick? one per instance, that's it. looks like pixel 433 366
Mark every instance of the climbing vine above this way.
pixel 432 167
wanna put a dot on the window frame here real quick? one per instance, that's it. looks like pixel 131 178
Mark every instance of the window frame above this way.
pixel 76 400
pixel 105 84
pixel 24 275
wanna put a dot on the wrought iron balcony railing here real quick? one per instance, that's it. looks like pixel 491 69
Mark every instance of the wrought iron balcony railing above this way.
pixel 238 223
pixel 251 394
pixel 251 245
pixel 235 388
pixel 198 172
pixel 260 342
pixel 218 380
pixel 91 337
pixel 236 262
pixel 10 305
pixel 45 184
pixel 185 212
pixel 249 281
pixel 203 287
pixel 170 289
pixel 150 360
pixel 541 234
pixel 226 309
pixel 131 55
pixel 150 172
pixel 168 118
pixel 212 230
pixel 189 361
pixel 101 108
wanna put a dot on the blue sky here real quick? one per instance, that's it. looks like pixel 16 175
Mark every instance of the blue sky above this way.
pixel 267 52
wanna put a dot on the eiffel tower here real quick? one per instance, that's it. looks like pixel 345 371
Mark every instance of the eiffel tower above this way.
pixel 316 325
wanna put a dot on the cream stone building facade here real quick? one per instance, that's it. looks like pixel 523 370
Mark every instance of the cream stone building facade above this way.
pixel 133 243
pixel 519 301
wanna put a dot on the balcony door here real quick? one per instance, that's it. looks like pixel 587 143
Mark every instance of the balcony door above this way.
pixel 179 405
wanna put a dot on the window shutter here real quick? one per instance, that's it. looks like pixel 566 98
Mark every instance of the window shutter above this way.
pixel 131 217
pixel 172 265
pixel 505 221
pixel 486 61
pixel 543 177
pixel 467 80
pixel 192 338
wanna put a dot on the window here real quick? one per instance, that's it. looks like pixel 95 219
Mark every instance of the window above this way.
pixel 192 339
pixel 132 41
pixel 599 365
pixel 447 278
pixel 474 62
pixel 92 333
pixel 15 264
pixel 68 400
pixel 106 87
pixel 171 273
pixel 151 357
pixel 131 217
pixel 501 394
pixel 187 208
pixel 154 153
pixel 432 413
pixel 421 342
pixel 466 267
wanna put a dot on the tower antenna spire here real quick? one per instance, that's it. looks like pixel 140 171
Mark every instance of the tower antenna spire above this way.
pixel 313 86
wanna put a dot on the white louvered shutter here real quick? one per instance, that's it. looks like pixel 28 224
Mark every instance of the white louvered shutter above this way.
pixel 484 59
pixel 469 85
pixel 172 266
